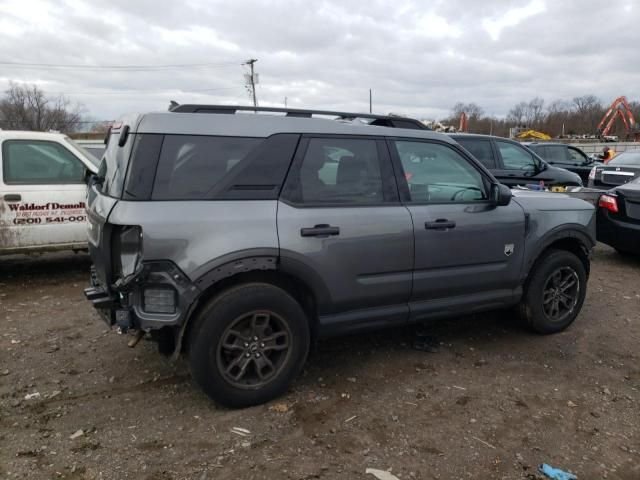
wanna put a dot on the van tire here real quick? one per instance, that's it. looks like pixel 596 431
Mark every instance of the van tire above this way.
pixel 554 292
pixel 248 344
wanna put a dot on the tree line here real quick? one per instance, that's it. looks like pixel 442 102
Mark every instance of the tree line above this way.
pixel 579 116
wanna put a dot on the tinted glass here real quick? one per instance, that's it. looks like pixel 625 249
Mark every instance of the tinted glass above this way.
pixel 515 157
pixel 339 171
pixel 626 158
pixel 577 157
pixel 480 149
pixel 439 174
pixel 190 166
pixel 556 153
pixel 33 162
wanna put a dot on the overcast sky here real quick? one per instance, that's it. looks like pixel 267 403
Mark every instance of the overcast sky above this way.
pixel 418 57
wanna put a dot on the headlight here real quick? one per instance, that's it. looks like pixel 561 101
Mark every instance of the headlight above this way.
pixel 592 174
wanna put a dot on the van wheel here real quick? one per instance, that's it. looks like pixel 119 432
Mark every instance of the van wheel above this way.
pixel 554 292
pixel 248 344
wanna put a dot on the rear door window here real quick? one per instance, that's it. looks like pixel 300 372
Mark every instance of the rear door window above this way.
pixel 556 154
pixel 481 149
pixel 340 171
pixel 190 166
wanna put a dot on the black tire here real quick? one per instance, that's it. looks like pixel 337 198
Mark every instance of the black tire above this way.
pixel 222 346
pixel 535 308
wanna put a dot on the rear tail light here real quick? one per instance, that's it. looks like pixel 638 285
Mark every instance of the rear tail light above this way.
pixel 608 202
pixel 159 300
pixel 592 174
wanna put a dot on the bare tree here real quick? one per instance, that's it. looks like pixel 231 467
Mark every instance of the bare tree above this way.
pixel 473 111
pixel 518 114
pixel 26 107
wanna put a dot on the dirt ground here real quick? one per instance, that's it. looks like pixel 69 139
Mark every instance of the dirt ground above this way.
pixel 492 402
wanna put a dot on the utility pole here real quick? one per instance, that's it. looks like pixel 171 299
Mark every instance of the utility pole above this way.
pixel 370 102
pixel 252 80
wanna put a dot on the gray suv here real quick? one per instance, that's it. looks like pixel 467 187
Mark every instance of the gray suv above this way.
pixel 240 238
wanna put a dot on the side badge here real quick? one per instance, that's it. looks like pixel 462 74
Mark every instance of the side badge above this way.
pixel 508 249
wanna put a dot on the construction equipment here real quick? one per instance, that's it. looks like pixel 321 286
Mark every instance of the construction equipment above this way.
pixel 619 108
pixel 530 134
pixel 464 124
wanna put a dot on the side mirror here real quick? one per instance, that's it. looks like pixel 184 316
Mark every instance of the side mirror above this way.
pixel 500 195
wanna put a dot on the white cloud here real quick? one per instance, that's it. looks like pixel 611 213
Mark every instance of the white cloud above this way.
pixel 512 17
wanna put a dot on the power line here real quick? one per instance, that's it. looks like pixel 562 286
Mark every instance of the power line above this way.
pixel 147 92
pixel 68 66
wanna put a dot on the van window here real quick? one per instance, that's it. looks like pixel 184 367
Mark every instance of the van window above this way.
pixel 191 166
pixel 35 162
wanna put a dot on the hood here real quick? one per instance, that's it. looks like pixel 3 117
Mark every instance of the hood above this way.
pixel 563 175
pixel 547 201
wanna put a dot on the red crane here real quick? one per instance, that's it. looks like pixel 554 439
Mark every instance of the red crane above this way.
pixel 464 125
pixel 619 108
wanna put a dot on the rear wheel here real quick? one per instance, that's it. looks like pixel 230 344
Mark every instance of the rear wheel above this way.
pixel 248 344
pixel 554 292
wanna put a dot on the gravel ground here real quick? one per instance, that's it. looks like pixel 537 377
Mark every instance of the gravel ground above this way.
pixel 492 402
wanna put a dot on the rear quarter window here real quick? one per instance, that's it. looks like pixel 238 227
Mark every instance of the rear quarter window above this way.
pixel 197 167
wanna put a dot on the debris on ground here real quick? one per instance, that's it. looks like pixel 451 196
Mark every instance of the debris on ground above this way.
pixel 381 474
pixel 555 473
pixel 243 432
pixel 76 434
pixel 279 407
pixel 32 396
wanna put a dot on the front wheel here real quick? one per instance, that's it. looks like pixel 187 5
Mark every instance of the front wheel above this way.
pixel 248 344
pixel 554 292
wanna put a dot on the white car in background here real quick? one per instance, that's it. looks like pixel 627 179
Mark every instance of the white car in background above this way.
pixel 42 192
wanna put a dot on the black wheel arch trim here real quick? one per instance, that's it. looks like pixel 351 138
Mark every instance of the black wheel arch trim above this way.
pixel 563 232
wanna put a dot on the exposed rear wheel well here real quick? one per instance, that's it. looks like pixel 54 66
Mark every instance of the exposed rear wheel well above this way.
pixel 293 286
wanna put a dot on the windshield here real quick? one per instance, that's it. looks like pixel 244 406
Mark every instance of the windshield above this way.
pixel 626 158
pixel 88 155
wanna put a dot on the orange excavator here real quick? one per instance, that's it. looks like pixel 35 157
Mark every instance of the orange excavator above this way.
pixel 619 108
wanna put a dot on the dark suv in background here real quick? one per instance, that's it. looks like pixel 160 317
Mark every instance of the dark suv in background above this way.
pixel 565 156
pixel 241 238
pixel 513 164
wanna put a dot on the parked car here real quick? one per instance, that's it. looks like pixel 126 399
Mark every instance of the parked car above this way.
pixel 623 168
pixel 565 156
pixel 42 192
pixel 259 234
pixel 513 164
pixel 618 218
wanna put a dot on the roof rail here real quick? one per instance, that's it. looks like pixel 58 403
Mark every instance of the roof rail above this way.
pixel 377 120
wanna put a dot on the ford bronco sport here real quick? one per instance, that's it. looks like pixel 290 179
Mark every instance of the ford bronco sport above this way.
pixel 240 238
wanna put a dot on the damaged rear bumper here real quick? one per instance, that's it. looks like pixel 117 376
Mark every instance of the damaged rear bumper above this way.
pixel 158 295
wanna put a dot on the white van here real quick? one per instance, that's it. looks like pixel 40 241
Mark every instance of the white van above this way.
pixel 42 192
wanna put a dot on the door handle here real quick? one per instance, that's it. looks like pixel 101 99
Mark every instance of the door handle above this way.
pixel 439 224
pixel 321 230
pixel 13 197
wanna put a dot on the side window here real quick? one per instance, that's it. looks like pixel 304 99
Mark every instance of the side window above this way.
pixel 33 162
pixel 577 156
pixel 480 149
pixel 556 154
pixel 515 157
pixel 191 166
pixel 439 174
pixel 338 170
